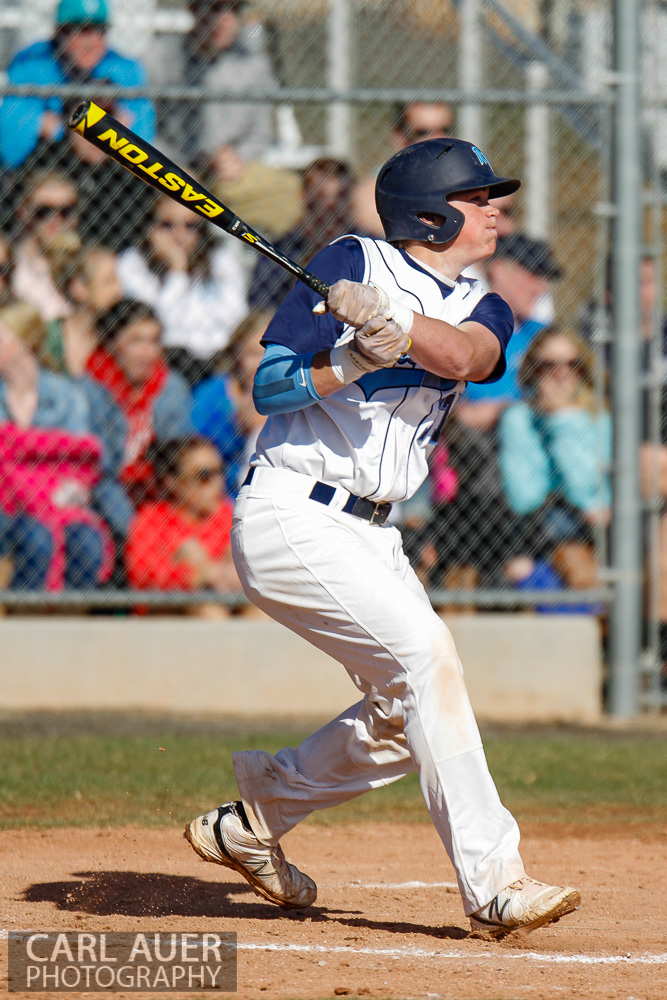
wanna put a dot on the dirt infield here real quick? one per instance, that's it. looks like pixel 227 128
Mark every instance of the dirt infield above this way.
pixel 388 921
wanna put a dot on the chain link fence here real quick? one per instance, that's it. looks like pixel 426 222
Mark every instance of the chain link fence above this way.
pixel 129 329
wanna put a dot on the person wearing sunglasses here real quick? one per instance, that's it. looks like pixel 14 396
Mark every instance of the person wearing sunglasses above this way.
pixel 555 453
pixel 76 52
pixel 48 216
pixel 182 540
pixel 193 281
pixel 119 218
pixel 413 121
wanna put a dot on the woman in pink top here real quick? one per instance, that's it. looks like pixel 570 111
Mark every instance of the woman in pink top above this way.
pixel 49 462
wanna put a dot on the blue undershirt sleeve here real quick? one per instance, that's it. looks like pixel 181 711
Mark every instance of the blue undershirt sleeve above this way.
pixel 283 382
pixel 494 313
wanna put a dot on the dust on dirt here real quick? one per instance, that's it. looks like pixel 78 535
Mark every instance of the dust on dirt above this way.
pixel 371 933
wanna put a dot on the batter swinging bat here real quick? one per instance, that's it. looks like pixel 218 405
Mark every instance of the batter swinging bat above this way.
pixel 154 168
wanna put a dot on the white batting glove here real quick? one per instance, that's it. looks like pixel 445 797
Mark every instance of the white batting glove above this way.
pixel 378 344
pixel 354 303
pixel 382 341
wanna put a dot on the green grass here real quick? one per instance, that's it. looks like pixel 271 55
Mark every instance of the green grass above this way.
pixel 106 770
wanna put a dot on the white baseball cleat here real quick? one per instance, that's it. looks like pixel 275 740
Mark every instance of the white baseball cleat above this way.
pixel 225 837
pixel 525 905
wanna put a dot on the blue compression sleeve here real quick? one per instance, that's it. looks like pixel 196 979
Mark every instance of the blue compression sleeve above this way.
pixel 283 381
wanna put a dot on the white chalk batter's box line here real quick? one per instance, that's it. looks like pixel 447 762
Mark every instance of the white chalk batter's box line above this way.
pixel 397 953
pixel 355 884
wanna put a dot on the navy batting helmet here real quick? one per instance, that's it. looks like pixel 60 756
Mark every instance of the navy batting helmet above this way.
pixel 418 180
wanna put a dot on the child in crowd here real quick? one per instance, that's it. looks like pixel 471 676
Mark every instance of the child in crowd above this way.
pixel 88 278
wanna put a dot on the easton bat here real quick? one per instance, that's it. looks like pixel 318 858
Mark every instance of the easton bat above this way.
pixel 154 168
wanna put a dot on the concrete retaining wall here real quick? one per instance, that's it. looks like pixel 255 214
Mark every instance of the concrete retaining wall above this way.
pixel 517 666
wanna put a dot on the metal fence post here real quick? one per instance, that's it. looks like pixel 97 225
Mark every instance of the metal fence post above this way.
pixel 538 157
pixel 471 70
pixel 339 75
pixel 626 547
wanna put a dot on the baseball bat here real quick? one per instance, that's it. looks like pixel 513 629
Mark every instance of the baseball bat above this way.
pixel 154 168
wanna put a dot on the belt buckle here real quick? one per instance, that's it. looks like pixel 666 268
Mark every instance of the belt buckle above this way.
pixel 380 514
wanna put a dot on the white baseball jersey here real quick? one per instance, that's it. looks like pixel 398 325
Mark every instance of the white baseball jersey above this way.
pixel 345 584
pixel 373 437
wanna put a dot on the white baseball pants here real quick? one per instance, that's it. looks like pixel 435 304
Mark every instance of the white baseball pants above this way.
pixel 346 586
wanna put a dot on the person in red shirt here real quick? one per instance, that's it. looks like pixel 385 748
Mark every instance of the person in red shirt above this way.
pixel 181 542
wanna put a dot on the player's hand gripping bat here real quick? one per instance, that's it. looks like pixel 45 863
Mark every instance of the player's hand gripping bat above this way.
pixel 154 168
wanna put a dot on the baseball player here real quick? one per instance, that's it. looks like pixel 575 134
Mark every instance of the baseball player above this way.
pixel 356 393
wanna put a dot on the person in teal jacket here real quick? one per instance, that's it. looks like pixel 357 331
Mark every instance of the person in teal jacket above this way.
pixel 555 446
pixel 555 453
pixel 76 53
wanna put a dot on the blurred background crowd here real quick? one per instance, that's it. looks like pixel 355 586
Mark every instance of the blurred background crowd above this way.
pixel 130 328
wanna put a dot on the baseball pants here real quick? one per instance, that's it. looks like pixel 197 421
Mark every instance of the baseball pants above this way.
pixel 346 586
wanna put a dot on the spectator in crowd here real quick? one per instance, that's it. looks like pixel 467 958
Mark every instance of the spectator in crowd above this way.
pixel 49 460
pixel 48 216
pixel 135 401
pixel 192 281
pixel 326 193
pixel 413 122
pixel 555 452
pixel 119 218
pixel 227 140
pixel 88 278
pixel 417 515
pixel 520 272
pixel 223 410
pixel 543 310
pixel 595 326
pixel 595 321
pixel 266 197
pixel 182 541
pixel 76 53
pixel 214 55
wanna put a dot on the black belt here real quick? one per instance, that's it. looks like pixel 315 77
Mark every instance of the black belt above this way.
pixel 376 513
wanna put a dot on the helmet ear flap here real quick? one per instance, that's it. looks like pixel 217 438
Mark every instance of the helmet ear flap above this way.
pixel 448 230
pixel 412 227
